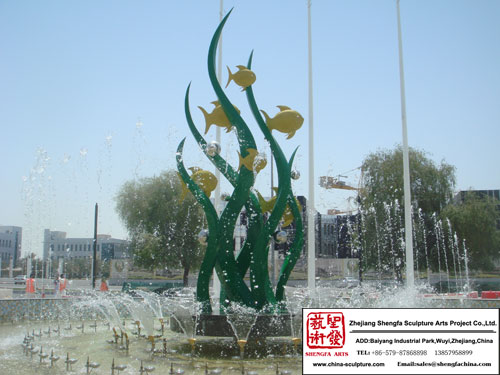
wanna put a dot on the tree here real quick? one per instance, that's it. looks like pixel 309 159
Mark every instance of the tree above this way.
pixel 475 221
pixel 431 185
pixel 382 201
pixel 163 228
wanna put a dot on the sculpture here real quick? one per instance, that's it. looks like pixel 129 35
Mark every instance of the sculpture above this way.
pixel 253 256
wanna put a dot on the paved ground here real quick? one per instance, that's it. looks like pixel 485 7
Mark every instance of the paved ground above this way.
pixel 8 283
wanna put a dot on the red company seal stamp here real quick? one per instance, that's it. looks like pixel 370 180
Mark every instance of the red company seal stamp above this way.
pixel 325 330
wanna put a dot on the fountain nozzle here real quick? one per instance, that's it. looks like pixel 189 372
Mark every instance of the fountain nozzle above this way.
pixel 146 369
pixel 242 344
pixel 296 341
pixel 91 365
pixel 138 324
pixel 152 340
pixel 42 355
pixel 118 368
pixel 69 362
pixel 192 342
pixel 53 358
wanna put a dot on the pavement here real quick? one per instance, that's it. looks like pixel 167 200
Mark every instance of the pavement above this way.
pixel 48 284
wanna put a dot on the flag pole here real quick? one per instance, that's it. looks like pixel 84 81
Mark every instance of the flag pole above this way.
pixel 311 212
pixel 410 276
pixel 216 281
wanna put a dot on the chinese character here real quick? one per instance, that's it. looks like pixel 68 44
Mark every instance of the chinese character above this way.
pixel 325 329
pixel 334 337
pixel 332 320
pixel 316 336
pixel 316 322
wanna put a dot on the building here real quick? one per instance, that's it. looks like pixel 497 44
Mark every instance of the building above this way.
pixel 326 238
pixel 333 233
pixel 57 246
pixel 10 243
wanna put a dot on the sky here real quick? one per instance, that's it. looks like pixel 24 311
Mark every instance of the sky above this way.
pixel 92 95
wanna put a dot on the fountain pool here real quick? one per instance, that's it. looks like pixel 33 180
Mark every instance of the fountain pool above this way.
pixel 101 329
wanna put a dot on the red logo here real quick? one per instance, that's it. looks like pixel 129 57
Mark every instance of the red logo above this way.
pixel 325 330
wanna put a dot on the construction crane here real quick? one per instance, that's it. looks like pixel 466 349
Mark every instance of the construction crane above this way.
pixel 329 182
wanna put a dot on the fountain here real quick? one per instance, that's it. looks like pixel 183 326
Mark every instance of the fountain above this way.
pixel 218 238
pixel 256 329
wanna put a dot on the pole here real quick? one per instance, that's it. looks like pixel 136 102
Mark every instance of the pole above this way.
pixel 272 244
pixel 311 232
pixel 94 250
pixel 410 277
pixel 216 281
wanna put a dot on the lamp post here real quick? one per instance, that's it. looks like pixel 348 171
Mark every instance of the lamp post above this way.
pixel 94 250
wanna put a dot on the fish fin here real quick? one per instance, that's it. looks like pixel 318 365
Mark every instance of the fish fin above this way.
pixel 291 134
pixel 215 103
pixel 207 119
pixel 194 169
pixel 268 119
pixel 230 77
pixel 287 222
pixel 228 128
pixel 241 67
pixel 283 108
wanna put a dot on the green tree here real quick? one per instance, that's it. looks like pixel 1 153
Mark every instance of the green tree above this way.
pixel 431 185
pixel 475 221
pixel 382 200
pixel 163 228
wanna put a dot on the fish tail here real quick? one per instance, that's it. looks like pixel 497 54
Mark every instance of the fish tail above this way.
pixel 268 119
pixel 240 160
pixel 208 121
pixel 262 202
pixel 230 77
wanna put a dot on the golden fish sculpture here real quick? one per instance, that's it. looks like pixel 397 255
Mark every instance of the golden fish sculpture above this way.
pixel 267 206
pixel 286 121
pixel 243 77
pixel 253 161
pixel 217 117
pixel 205 180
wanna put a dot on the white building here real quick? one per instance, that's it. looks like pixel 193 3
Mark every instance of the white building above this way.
pixel 10 243
pixel 57 246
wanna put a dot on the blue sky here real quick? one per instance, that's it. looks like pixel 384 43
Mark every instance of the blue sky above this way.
pixel 91 94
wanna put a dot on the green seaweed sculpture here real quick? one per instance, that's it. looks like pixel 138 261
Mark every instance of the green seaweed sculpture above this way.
pixel 253 257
